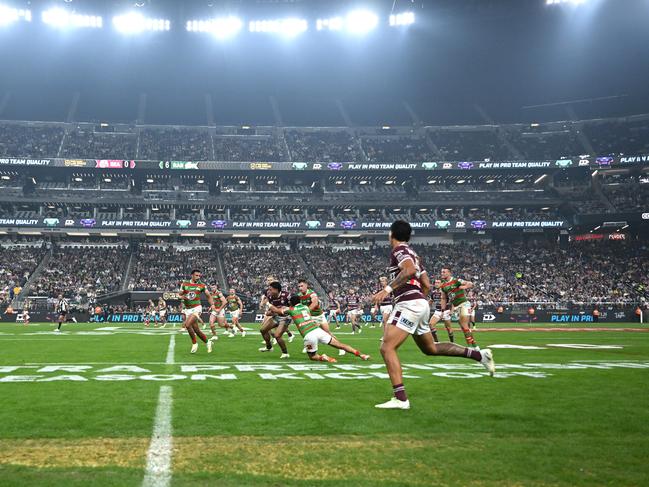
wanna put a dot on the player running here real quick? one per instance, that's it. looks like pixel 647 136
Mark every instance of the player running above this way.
pixel 62 308
pixel 410 284
pixel 333 310
pixel 235 305
pixel 474 307
pixel 161 309
pixel 454 291
pixel 264 304
pixel 279 299
pixel 354 309
pixel 217 313
pixel 312 332
pixel 190 293
pixel 440 313
pixel 149 313
pixel 385 306
pixel 309 298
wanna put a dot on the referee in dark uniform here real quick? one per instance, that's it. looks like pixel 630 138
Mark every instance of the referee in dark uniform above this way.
pixel 62 309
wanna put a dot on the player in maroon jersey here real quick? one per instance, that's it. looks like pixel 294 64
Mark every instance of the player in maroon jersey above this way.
pixel 280 299
pixel 264 305
pixel 354 309
pixel 410 284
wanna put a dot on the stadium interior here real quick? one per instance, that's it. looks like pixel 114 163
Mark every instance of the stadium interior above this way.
pixel 142 140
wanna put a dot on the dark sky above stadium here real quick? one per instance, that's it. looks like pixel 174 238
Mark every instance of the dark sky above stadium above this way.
pixel 503 55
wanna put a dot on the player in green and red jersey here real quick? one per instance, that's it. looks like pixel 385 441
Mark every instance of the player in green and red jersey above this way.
pixel 309 298
pixel 217 312
pixel 455 291
pixel 235 305
pixel 190 293
pixel 312 332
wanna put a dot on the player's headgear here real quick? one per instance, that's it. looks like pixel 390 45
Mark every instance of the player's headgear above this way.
pixel 401 231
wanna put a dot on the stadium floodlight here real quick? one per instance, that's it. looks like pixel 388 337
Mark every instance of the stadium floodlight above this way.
pixel 221 27
pixel 559 2
pixel 404 18
pixel 9 15
pixel 135 23
pixel 60 18
pixel 361 21
pixel 333 23
pixel 288 27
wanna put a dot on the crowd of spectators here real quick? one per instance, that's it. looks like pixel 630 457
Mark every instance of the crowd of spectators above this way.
pixel 474 145
pixel 82 273
pixel 163 267
pixel 175 144
pixel 322 146
pixel 18 260
pixel 247 148
pixel 397 149
pixel 32 141
pixel 84 143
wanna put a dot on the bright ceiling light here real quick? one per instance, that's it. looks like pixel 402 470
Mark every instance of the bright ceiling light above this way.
pixel 10 15
pixel 62 19
pixel 135 23
pixel 404 18
pixel 333 23
pixel 361 21
pixel 558 2
pixel 222 27
pixel 288 27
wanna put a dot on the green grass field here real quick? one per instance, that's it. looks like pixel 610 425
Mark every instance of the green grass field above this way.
pixel 80 408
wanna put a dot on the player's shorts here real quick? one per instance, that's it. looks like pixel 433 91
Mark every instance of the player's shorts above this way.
pixel 355 312
pixel 386 309
pixel 235 314
pixel 162 313
pixel 442 315
pixel 281 320
pixel 411 316
pixel 321 319
pixel 463 309
pixel 314 337
pixel 196 310
pixel 220 313
pixel 331 314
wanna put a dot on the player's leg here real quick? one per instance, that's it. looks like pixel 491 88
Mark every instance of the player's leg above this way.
pixel 279 331
pixel 61 319
pixel 335 343
pixel 432 324
pixel 392 340
pixel 266 326
pixel 464 325
pixel 429 347
pixel 449 326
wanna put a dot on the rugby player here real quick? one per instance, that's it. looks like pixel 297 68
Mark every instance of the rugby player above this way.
pixel 309 298
pixel 410 284
pixel 312 332
pixel 148 313
pixel 440 313
pixel 264 305
pixel 354 309
pixel 454 291
pixel 333 310
pixel 273 321
pixel 162 311
pixel 190 293
pixel 385 306
pixel 217 312
pixel 235 305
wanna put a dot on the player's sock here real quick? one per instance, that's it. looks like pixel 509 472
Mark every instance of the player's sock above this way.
pixel 59 326
pixel 454 350
pixel 400 392
pixel 193 337
pixel 469 338
pixel 451 337
pixel 202 336
pixel 434 332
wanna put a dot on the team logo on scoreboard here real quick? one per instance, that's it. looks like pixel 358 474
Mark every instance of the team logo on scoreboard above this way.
pixel 348 224
pixel 478 224
pixel 442 224
pixel 335 166
pixel 584 162
pixel 429 165
pixel 604 161
pixel 563 163
pixel 447 165
pixel 184 223
pixel 312 224
pixel 69 223
pixel 300 166
pixel 88 222
pixel 219 224
pixel 51 222
pixel 465 165
pixel 331 225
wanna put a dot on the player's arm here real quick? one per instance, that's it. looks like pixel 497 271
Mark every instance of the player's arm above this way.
pixel 426 286
pixel 240 302
pixel 210 298
pixel 466 284
pixel 315 302
pixel 443 300
pixel 407 272
pixel 280 310
pixel 263 301
pixel 222 301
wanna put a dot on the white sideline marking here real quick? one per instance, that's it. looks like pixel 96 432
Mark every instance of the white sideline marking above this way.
pixel 158 462
pixel 170 350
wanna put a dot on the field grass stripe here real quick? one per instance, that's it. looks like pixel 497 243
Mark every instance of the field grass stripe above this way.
pixel 158 463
